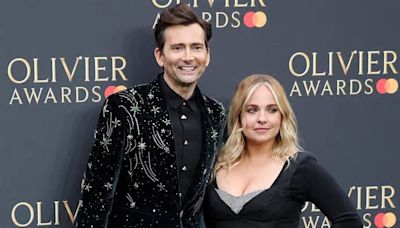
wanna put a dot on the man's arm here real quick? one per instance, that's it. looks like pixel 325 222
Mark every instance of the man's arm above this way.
pixel 101 176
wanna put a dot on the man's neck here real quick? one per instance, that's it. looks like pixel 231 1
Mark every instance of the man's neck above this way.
pixel 184 91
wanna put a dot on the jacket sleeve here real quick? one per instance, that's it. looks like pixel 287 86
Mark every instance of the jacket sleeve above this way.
pixel 316 185
pixel 101 176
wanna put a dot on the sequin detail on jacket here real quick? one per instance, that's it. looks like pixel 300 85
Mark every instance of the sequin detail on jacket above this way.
pixel 131 178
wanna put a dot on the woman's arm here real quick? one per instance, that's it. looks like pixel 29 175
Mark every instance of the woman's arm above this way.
pixel 316 185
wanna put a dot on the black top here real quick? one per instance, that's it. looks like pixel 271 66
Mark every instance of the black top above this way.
pixel 280 205
pixel 185 116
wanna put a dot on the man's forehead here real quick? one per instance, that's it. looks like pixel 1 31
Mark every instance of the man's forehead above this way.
pixel 184 34
pixel 177 43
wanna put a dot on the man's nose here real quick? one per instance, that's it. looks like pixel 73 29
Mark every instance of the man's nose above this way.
pixel 188 55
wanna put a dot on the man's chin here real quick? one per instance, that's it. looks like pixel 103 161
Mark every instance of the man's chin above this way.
pixel 187 84
pixel 189 81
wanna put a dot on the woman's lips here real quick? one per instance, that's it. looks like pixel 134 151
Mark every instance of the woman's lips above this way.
pixel 261 129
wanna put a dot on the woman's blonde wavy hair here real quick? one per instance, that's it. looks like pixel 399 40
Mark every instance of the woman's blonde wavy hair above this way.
pixel 286 143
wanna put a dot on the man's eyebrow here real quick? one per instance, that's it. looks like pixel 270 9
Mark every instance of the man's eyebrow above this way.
pixel 177 44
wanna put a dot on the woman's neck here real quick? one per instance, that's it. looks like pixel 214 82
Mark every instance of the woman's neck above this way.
pixel 259 153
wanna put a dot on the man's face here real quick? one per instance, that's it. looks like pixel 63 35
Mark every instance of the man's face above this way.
pixel 184 56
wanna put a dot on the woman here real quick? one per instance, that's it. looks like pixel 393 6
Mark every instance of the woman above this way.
pixel 261 179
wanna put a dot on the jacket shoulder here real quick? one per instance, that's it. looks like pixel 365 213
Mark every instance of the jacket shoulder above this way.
pixel 214 104
pixel 131 95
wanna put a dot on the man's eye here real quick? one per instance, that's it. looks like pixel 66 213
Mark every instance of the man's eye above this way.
pixel 177 48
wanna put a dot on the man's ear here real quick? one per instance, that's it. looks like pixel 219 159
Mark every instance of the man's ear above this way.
pixel 159 56
pixel 208 56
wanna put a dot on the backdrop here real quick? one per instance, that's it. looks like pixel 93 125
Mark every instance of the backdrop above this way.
pixel 338 61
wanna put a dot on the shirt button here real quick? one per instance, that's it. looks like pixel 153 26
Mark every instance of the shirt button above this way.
pixel 184 168
pixel 184 103
pixel 183 117
pixel 186 142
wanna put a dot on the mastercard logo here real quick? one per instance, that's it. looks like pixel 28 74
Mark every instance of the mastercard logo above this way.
pixel 385 220
pixel 113 89
pixel 387 86
pixel 255 19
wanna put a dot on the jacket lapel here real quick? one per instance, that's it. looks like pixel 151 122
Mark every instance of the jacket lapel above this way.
pixel 159 133
pixel 210 144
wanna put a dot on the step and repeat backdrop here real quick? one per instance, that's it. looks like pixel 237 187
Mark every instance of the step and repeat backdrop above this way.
pixel 338 61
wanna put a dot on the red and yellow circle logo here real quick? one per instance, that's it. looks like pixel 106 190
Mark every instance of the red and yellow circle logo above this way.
pixel 255 19
pixel 384 86
pixel 385 220
pixel 113 89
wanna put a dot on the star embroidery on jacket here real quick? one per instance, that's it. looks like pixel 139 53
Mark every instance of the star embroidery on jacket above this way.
pixel 105 142
pixel 214 134
pixel 155 110
pixel 116 123
pixel 142 145
pixel 150 95
pixel 167 121
pixel 89 165
pixel 88 187
pixel 161 186
pixel 166 149
pixel 135 108
pixel 108 186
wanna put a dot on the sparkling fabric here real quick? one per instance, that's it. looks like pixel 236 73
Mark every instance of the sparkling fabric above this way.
pixel 131 177
pixel 236 203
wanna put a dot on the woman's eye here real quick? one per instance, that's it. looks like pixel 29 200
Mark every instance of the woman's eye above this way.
pixel 272 110
pixel 251 110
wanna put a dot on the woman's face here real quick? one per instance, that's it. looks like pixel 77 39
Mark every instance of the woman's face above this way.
pixel 261 118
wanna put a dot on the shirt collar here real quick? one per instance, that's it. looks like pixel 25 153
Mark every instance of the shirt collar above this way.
pixel 173 98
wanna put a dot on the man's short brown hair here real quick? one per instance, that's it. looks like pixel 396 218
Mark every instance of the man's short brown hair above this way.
pixel 180 14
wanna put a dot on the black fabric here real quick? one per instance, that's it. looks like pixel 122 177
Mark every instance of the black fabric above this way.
pixel 185 118
pixel 280 205
pixel 131 178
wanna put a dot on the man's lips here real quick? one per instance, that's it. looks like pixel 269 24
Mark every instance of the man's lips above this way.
pixel 187 68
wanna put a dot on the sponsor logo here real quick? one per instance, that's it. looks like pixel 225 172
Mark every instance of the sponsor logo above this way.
pixel 62 80
pixel 344 73
pixel 224 14
pixel 375 205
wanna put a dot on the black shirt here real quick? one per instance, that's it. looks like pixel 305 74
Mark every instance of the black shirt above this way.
pixel 185 116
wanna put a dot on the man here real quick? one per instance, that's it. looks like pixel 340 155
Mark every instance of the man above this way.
pixel 155 144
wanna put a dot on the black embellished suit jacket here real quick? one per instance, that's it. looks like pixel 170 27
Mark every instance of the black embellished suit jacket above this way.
pixel 132 178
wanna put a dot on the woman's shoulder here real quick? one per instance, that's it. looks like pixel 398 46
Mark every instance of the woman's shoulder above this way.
pixel 301 158
pixel 297 164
